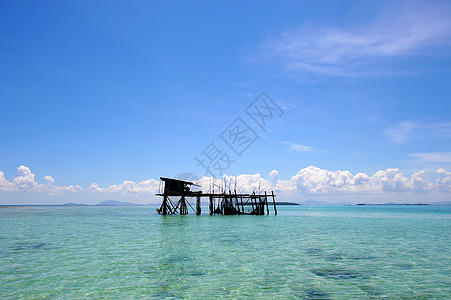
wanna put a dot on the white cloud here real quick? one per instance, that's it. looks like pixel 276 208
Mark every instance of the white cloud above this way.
pixel 440 157
pixel 5 185
pixel 315 181
pixel 128 187
pixel 298 147
pixel 26 182
pixel 410 130
pixel 308 181
pixel 274 177
pixel 443 182
pixel 392 180
pixel 401 132
pixel 49 179
pixel 398 32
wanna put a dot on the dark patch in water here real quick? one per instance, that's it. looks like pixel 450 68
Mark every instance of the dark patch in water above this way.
pixel 38 246
pixel 319 253
pixel 34 246
pixel 229 240
pixel 361 257
pixel 405 266
pixel 338 256
pixel 334 256
pixel 175 259
pixel 370 290
pixel 315 252
pixel 331 256
pixel 336 273
pixel 166 295
pixel 196 273
pixel 314 293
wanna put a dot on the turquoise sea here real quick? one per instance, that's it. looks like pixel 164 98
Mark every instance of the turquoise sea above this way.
pixel 358 252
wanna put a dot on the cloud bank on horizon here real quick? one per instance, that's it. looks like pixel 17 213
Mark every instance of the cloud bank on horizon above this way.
pixel 308 181
pixel 26 182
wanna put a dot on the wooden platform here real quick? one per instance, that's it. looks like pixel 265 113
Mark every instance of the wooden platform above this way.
pixel 231 203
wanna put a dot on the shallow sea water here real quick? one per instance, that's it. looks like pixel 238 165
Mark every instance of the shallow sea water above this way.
pixel 360 252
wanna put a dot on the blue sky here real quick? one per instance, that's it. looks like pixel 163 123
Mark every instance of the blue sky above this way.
pixel 95 94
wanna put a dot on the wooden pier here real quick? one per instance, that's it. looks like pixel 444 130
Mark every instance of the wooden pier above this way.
pixel 223 203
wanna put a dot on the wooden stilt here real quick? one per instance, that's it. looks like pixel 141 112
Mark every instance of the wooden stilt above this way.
pixel 266 201
pixel 211 204
pixel 165 205
pixel 274 202
pixel 198 208
pixel 252 201
pixel 242 206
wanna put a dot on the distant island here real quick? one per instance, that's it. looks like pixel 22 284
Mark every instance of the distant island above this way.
pixel 74 204
pixel 286 203
pixel 117 203
pixel 104 203
pixel 372 204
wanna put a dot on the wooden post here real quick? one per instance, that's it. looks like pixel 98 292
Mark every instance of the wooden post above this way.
pixel 266 201
pixel 242 206
pixel 236 207
pixel 252 201
pixel 259 204
pixel 274 202
pixel 262 205
pixel 198 208
pixel 165 204
pixel 224 204
pixel 211 204
pixel 238 204
pixel 183 207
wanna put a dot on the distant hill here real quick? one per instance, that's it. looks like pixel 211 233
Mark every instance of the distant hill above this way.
pixel 393 204
pixel 74 204
pixel 116 203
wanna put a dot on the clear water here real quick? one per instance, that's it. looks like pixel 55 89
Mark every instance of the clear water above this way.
pixel 304 252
